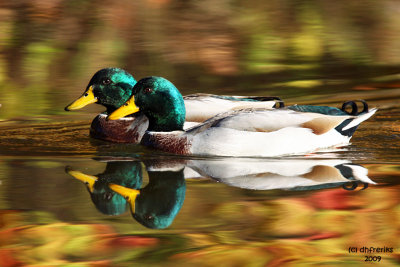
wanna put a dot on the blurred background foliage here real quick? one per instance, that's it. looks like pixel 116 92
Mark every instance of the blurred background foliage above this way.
pixel 49 49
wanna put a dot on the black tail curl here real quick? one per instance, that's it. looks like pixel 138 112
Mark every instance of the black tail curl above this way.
pixel 354 107
pixel 353 112
pixel 354 185
pixel 279 104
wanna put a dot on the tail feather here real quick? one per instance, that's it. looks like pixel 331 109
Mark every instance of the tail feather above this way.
pixel 360 119
pixel 354 172
pixel 348 127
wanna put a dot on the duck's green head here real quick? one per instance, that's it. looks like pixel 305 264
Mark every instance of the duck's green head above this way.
pixel 110 87
pixel 159 100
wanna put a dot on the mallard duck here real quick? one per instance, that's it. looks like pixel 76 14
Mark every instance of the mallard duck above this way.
pixel 111 87
pixel 247 132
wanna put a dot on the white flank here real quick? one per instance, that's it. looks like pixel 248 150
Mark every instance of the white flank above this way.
pixel 291 140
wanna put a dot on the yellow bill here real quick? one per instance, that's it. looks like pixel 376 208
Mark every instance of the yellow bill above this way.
pixel 129 194
pixel 126 109
pixel 86 99
pixel 89 180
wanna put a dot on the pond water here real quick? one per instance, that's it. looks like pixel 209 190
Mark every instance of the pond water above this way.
pixel 319 208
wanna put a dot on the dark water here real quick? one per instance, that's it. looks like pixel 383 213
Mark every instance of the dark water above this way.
pixel 321 208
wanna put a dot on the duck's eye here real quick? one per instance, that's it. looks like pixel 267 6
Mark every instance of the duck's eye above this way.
pixel 148 90
pixel 86 94
pixel 108 195
pixel 148 217
pixel 106 81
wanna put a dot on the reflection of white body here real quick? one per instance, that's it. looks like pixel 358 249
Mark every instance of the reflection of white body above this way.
pixel 263 174
pixel 277 174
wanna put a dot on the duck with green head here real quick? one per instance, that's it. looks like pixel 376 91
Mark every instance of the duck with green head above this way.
pixel 246 132
pixel 111 87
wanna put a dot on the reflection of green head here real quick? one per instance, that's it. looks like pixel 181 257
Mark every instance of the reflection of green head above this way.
pixel 124 173
pixel 160 201
pixel 106 201
pixel 156 205
pixel 127 174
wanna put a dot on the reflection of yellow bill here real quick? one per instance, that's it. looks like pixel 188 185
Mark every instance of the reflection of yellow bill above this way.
pixel 129 194
pixel 126 109
pixel 89 180
pixel 86 99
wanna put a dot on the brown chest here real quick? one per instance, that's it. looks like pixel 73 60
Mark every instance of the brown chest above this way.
pixel 126 130
pixel 175 143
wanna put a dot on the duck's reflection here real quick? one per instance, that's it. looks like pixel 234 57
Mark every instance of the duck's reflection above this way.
pixel 154 206
pixel 124 173
pixel 157 204
pixel 289 174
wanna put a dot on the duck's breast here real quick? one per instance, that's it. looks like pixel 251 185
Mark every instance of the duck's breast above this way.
pixel 124 130
pixel 175 142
